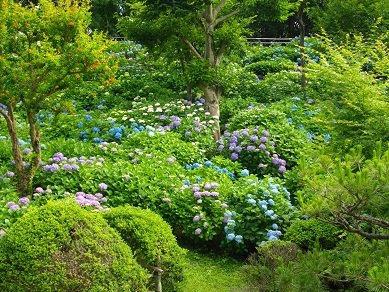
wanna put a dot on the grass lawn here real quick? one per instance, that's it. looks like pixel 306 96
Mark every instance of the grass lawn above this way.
pixel 214 273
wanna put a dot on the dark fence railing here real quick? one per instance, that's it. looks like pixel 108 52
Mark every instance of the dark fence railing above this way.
pixel 268 41
pixel 252 41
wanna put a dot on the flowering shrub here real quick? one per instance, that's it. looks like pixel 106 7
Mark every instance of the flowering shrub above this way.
pixel 254 149
pixel 258 211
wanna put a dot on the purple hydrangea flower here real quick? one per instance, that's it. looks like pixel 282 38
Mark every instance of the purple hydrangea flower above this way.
pixel 9 204
pixel 250 148
pixel 234 156
pixel 170 159
pixel 26 151
pixel 265 133
pixel 67 167
pixel 262 146
pixel 9 174
pixel 196 219
pixel 254 138
pixel 103 186
pixel 24 201
pixel 281 169
pixel 166 200
pixel 39 190
pixel 197 231
pixel 264 139
pixel 14 207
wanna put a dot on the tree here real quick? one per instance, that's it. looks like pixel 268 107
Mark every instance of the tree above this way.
pixel 341 18
pixel 351 193
pixel 105 13
pixel 209 29
pixel 44 50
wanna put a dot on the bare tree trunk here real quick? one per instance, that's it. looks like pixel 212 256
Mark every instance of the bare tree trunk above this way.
pixel 301 22
pixel 212 105
pixel 24 173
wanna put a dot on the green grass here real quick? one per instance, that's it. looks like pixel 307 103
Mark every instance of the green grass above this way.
pixel 214 273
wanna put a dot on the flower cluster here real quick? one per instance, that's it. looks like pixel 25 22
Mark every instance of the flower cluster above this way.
pixel 209 164
pixel 252 148
pixel 230 226
pixel 14 207
pixel 273 234
pixel 90 200
pixel 60 162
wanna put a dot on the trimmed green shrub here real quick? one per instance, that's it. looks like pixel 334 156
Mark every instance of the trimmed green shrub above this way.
pixel 152 241
pixel 62 247
pixel 270 66
pixel 305 233
pixel 270 252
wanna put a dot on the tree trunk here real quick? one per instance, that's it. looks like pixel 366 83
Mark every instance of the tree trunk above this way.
pixel 24 174
pixel 301 22
pixel 212 105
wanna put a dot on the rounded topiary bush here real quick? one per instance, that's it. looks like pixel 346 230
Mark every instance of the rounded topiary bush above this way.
pixel 152 241
pixel 305 233
pixel 62 247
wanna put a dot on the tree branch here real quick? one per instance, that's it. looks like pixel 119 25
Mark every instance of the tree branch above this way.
pixel 191 46
pixel 220 54
pixel 219 7
pixel 217 21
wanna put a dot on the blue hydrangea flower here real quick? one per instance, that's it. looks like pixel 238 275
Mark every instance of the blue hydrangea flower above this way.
pixel 274 226
pixel 230 236
pixel 245 172
pixel 208 163
pixel 88 118
pixel 238 238
pixel 271 202
pixel 80 124
pixel 231 223
pixel 251 201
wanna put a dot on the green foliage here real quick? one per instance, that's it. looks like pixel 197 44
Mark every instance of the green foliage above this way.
pixel 269 254
pixel 350 192
pixel 262 265
pixel 354 265
pixel 152 241
pixel 305 233
pixel 262 68
pixel 62 247
pixel 279 86
pixel 353 102
pixel 366 14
